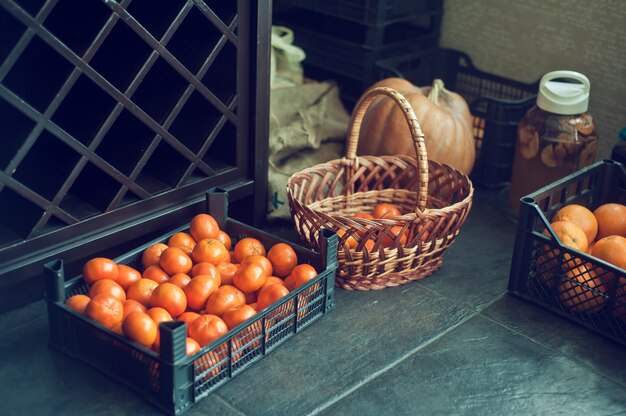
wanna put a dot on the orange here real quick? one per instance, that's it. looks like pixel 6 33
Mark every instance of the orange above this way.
pixel 364 215
pixel 180 279
pixel 581 216
pixel 127 276
pixel 261 260
pixel 611 220
pixel 209 250
pixel 350 242
pixel 156 273
pixel 283 258
pixel 227 272
pixel 183 241
pixel 131 305
pixel 199 289
pixel 207 328
pixel 175 260
pixel 248 246
pixel 223 299
pixel 204 267
pixel 271 280
pixel 250 277
pixel 141 291
pixel 78 303
pixel 224 238
pixel 271 294
pixel 386 211
pixel 570 234
pixel 237 315
pixel 300 274
pixel 191 346
pixel 105 309
pixel 389 238
pixel 170 297
pixel 150 256
pixel 203 226
pixel 611 249
pixel 585 293
pixel 99 268
pixel 159 314
pixel 188 317
pixel 108 286
pixel 139 327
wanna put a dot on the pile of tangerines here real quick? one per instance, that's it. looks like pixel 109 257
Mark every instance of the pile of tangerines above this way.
pixel 198 277
pixel 600 233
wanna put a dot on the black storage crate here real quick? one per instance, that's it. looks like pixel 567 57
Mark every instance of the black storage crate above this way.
pixel 352 49
pixel 369 12
pixel 497 104
pixel 171 380
pixel 568 282
pixel 112 111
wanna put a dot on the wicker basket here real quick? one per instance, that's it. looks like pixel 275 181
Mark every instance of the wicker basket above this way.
pixel 379 253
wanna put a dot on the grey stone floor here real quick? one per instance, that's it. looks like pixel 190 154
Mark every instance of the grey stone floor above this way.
pixel 453 343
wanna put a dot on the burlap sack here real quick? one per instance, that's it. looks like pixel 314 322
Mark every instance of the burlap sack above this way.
pixel 308 125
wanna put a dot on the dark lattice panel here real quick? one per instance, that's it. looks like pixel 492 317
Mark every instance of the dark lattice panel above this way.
pixel 104 104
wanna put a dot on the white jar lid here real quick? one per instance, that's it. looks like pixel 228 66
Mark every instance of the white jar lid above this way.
pixel 563 97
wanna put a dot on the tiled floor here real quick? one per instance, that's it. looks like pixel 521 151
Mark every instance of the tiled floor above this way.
pixel 454 343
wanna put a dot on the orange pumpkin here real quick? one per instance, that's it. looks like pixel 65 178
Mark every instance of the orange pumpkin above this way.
pixel 443 115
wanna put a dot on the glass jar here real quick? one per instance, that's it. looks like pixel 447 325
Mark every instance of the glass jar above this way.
pixel 556 137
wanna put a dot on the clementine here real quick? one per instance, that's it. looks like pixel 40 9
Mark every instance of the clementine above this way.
pixel 203 226
pixel 611 220
pixel 581 216
pixel 139 327
pixel 99 268
pixel 284 258
pixel 78 303
pixel 611 249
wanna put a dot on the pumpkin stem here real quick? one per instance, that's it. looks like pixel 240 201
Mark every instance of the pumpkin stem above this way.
pixel 438 89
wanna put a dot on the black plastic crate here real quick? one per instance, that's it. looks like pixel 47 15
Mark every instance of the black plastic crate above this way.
pixel 171 380
pixel 352 49
pixel 369 12
pixel 571 283
pixel 497 104
pixel 109 115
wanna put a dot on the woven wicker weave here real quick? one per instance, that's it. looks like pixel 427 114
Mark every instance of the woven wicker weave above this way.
pixel 389 252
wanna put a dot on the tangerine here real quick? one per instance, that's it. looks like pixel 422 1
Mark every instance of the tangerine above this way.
pixel 100 268
pixel 203 226
pixel 150 256
pixel 211 251
pixel 78 303
pixel 248 246
pixel 170 297
pixel 284 258
pixel 108 286
pixel 183 241
pixel 139 327
pixel 105 309
pixel 224 298
pixel 611 220
pixel 199 289
pixel 207 328
pixel 581 216
pixel 174 260
pixel 141 291
pixel 127 275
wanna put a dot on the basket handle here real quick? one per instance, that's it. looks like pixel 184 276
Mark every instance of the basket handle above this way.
pixel 414 128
